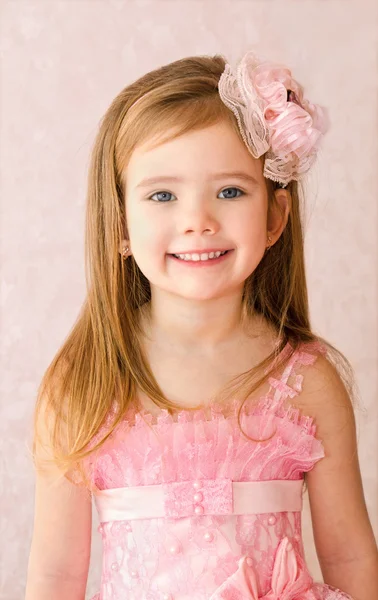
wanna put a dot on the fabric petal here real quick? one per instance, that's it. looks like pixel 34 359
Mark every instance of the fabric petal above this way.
pixel 290 575
pixel 285 570
pixel 241 585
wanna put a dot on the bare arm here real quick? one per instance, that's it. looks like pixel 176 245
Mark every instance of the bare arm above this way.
pixel 344 539
pixel 60 549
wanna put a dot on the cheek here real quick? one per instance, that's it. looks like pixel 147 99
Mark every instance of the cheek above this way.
pixel 147 233
pixel 250 229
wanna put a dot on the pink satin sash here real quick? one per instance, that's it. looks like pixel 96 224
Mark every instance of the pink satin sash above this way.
pixel 190 498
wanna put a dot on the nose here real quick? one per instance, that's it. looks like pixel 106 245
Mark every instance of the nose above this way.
pixel 198 216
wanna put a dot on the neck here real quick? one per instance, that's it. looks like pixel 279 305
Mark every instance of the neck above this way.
pixel 199 326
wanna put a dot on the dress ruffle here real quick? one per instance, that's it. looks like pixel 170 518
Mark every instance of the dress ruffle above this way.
pixel 192 448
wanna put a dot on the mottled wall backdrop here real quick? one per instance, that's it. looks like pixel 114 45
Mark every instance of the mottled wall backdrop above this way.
pixel 63 61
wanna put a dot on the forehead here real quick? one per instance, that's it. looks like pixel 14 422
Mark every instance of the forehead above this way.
pixel 200 152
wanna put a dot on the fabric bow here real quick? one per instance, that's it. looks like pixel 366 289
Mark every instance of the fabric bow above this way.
pixel 273 116
pixel 290 578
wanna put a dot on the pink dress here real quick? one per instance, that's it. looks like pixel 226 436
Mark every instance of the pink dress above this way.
pixel 190 509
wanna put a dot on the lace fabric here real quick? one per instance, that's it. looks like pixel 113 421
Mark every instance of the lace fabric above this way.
pixel 211 556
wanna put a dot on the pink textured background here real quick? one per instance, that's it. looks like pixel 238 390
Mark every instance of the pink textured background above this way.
pixel 62 64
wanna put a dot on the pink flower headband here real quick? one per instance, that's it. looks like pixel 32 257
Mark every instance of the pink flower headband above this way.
pixel 274 117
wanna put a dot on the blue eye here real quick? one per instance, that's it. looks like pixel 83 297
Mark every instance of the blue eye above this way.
pixel 160 193
pixel 164 193
pixel 233 188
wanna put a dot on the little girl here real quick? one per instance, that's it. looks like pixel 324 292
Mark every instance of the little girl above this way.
pixel 192 400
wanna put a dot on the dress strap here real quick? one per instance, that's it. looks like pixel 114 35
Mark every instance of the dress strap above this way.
pixel 305 354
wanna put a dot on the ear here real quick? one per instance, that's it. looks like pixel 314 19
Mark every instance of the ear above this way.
pixel 278 215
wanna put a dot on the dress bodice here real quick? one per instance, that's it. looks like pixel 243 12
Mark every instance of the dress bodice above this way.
pixel 190 508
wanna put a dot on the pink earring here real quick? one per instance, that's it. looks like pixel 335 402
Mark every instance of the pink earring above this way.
pixel 125 251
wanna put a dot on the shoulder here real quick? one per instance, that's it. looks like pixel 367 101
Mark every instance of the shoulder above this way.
pixel 324 395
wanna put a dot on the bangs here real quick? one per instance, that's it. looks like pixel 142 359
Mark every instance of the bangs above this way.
pixel 179 118
pixel 151 124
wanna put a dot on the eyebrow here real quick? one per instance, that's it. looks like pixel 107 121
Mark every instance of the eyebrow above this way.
pixel 223 175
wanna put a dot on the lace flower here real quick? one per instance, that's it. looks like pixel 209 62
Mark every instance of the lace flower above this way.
pixel 273 116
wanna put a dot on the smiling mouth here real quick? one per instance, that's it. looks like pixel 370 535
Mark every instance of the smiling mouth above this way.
pixel 211 255
pixel 198 261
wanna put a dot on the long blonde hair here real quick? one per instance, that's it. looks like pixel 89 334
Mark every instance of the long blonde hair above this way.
pixel 102 357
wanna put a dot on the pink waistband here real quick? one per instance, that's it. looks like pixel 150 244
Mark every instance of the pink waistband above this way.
pixel 191 498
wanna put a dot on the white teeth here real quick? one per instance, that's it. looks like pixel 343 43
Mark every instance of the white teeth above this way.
pixel 197 257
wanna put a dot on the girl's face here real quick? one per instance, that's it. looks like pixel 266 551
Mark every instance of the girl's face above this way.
pixel 197 203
